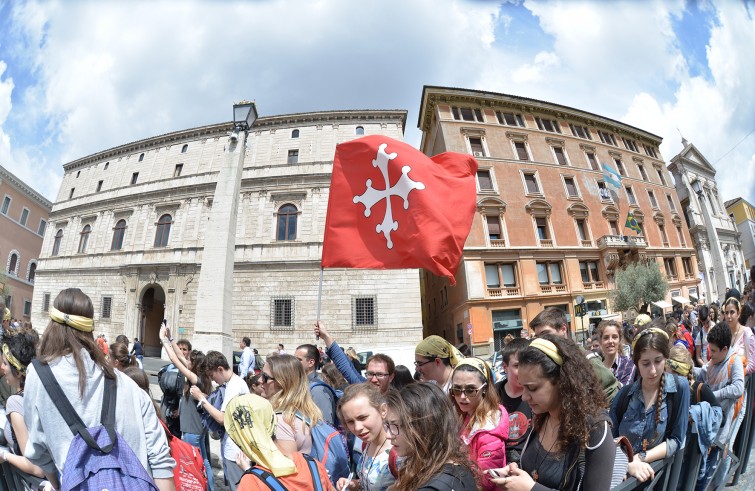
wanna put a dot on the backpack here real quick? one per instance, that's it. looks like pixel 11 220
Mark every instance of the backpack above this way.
pixel 688 338
pixel 189 473
pixel 274 483
pixel 98 458
pixel 330 448
pixel 216 400
pixel 336 395
pixel 171 384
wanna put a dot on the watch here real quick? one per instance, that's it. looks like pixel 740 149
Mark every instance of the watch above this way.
pixel 642 456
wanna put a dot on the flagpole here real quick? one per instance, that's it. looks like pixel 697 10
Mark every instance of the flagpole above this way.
pixel 319 299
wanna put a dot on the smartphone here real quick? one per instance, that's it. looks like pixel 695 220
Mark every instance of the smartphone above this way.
pixel 493 473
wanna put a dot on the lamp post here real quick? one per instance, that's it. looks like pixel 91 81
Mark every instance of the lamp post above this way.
pixel 213 329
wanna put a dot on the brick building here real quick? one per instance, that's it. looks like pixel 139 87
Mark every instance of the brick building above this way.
pixel 128 228
pixel 23 221
pixel 547 229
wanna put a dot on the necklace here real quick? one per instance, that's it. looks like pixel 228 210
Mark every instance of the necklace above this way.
pixel 536 474
pixel 366 477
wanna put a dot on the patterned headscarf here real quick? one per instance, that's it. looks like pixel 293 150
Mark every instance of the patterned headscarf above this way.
pixel 437 347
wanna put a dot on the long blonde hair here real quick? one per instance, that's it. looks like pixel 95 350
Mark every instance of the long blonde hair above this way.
pixel 294 395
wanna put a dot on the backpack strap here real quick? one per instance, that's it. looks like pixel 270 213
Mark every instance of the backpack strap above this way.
pixel 270 480
pixel 671 402
pixel 623 403
pixel 314 471
pixel 392 464
pixel 72 419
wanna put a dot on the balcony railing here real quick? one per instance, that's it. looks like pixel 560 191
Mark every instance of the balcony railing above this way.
pixel 621 241
pixel 504 292
pixel 597 285
pixel 552 288
pixel 586 243
pixel 546 242
pixel 497 243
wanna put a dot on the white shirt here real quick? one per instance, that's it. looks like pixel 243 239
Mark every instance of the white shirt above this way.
pixel 234 387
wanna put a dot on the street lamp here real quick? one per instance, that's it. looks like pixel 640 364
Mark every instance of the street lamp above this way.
pixel 244 115
pixel 697 187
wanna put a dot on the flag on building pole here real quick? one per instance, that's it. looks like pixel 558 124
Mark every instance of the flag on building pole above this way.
pixel 632 223
pixel 611 176
pixel 393 207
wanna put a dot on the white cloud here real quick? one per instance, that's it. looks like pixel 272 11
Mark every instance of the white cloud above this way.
pixel 536 71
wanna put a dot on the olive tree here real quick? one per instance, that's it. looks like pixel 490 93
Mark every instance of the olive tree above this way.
pixel 638 284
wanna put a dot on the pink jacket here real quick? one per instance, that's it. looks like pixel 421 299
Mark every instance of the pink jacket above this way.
pixel 486 445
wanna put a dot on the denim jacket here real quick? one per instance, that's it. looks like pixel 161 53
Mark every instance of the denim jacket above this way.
pixel 638 424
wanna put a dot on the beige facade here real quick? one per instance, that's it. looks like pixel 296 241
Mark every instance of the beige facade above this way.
pixel 546 228
pixel 23 220
pixel 128 228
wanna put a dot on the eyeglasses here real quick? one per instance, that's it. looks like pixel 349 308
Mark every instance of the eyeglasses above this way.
pixel 379 375
pixel 467 391
pixel 423 363
pixel 391 428
pixel 266 378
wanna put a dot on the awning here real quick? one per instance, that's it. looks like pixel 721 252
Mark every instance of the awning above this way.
pixel 681 300
pixel 694 298
pixel 661 304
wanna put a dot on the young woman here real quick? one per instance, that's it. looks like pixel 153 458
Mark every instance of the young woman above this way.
pixel 402 376
pixel 285 385
pixel 557 378
pixel 742 339
pixel 610 337
pixel 120 358
pixel 80 368
pixel 422 428
pixel 190 421
pixel 702 353
pixel 485 423
pixel 18 352
pixel 655 416
pixel 361 409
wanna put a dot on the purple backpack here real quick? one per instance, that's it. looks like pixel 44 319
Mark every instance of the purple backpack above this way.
pixel 98 458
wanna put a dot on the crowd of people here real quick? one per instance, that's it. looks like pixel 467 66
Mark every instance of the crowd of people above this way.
pixel 550 421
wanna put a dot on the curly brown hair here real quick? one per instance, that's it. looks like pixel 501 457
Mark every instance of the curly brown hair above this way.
pixel 581 394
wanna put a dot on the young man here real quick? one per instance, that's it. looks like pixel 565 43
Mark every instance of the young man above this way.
pixel 185 346
pixel 553 321
pixel 247 357
pixel 221 373
pixel 137 350
pixel 380 368
pixel 435 359
pixel 309 357
pixel 725 376
pixel 510 392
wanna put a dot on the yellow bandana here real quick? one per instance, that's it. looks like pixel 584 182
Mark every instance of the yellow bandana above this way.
pixel 78 322
pixel 645 332
pixel 13 360
pixel 679 367
pixel 6 315
pixel 549 348
pixel 250 422
pixel 437 347
pixel 480 365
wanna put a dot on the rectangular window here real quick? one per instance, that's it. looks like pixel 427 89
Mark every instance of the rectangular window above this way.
pixel 282 312
pixel 6 205
pixel 134 178
pixel 582 229
pixel 484 180
pixel 593 161
pixel 521 151
pixel 687 264
pixel 45 302
pixel 467 114
pixel 508 275
pixel 24 216
pixel 607 138
pixel 580 131
pixel 99 186
pixel 630 196
pixel 662 231
pixel 560 155
pixel 70 194
pixel 661 177
pixel 27 308
pixel 650 151
pixel 550 125
pixel 494 227
pixel 491 276
pixel 620 167
pixel 571 187
pixel 364 313
pixel 603 192
pixel 510 119
pixel 671 204
pixel 42 227
pixel 681 236
pixel 643 174
pixel 476 145
pixel 670 264
pixel 629 144
pixel 107 307
pixel 293 156
pixel 541 223
pixel 614 226
pixel 549 273
pixel 589 271
pixel 531 183
pixel 177 171
pixel 653 201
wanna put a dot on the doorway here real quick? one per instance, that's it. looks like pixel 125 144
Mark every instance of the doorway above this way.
pixel 152 314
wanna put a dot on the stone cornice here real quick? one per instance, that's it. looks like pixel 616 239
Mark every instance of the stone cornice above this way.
pixel 330 117
pixel 6 175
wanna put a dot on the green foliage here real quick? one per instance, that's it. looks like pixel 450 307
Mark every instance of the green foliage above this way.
pixel 637 285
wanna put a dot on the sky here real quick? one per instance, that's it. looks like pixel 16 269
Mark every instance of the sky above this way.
pixel 79 77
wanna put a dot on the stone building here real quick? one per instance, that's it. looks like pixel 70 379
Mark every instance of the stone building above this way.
pixel 23 221
pixel 743 213
pixel 715 235
pixel 128 227
pixel 547 229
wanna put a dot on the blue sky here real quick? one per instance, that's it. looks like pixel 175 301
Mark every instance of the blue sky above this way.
pixel 80 77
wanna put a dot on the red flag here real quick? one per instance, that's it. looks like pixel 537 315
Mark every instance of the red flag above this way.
pixel 393 207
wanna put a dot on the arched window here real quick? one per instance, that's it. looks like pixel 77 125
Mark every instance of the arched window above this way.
pixel 141 157
pixel 163 230
pixel 13 264
pixel 32 271
pixel 185 148
pixel 84 239
pixel 359 130
pixel 119 232
pixel 295 134
pixel 287 215
pixel 56 243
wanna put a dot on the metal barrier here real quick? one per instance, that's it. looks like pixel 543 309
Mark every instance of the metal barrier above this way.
pixel 743 444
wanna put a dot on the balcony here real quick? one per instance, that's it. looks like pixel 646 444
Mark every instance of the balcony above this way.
pixel 546 242
pixel 552 288
pixel 503 292
pixel 497 243
pixel 597 285
pixel 622 242
pixel 586 243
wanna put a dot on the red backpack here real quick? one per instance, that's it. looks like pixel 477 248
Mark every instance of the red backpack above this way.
pixel 189 473
pixel 688 339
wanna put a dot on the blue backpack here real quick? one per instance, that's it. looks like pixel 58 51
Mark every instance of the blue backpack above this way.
pixel 330 448
pixel 98 458
pixel 216 400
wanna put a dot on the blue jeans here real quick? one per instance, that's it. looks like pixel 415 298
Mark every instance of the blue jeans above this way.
pixel 198 441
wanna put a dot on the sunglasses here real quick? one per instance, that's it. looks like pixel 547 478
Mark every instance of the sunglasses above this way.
pixel 467 391
pixel 266 378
